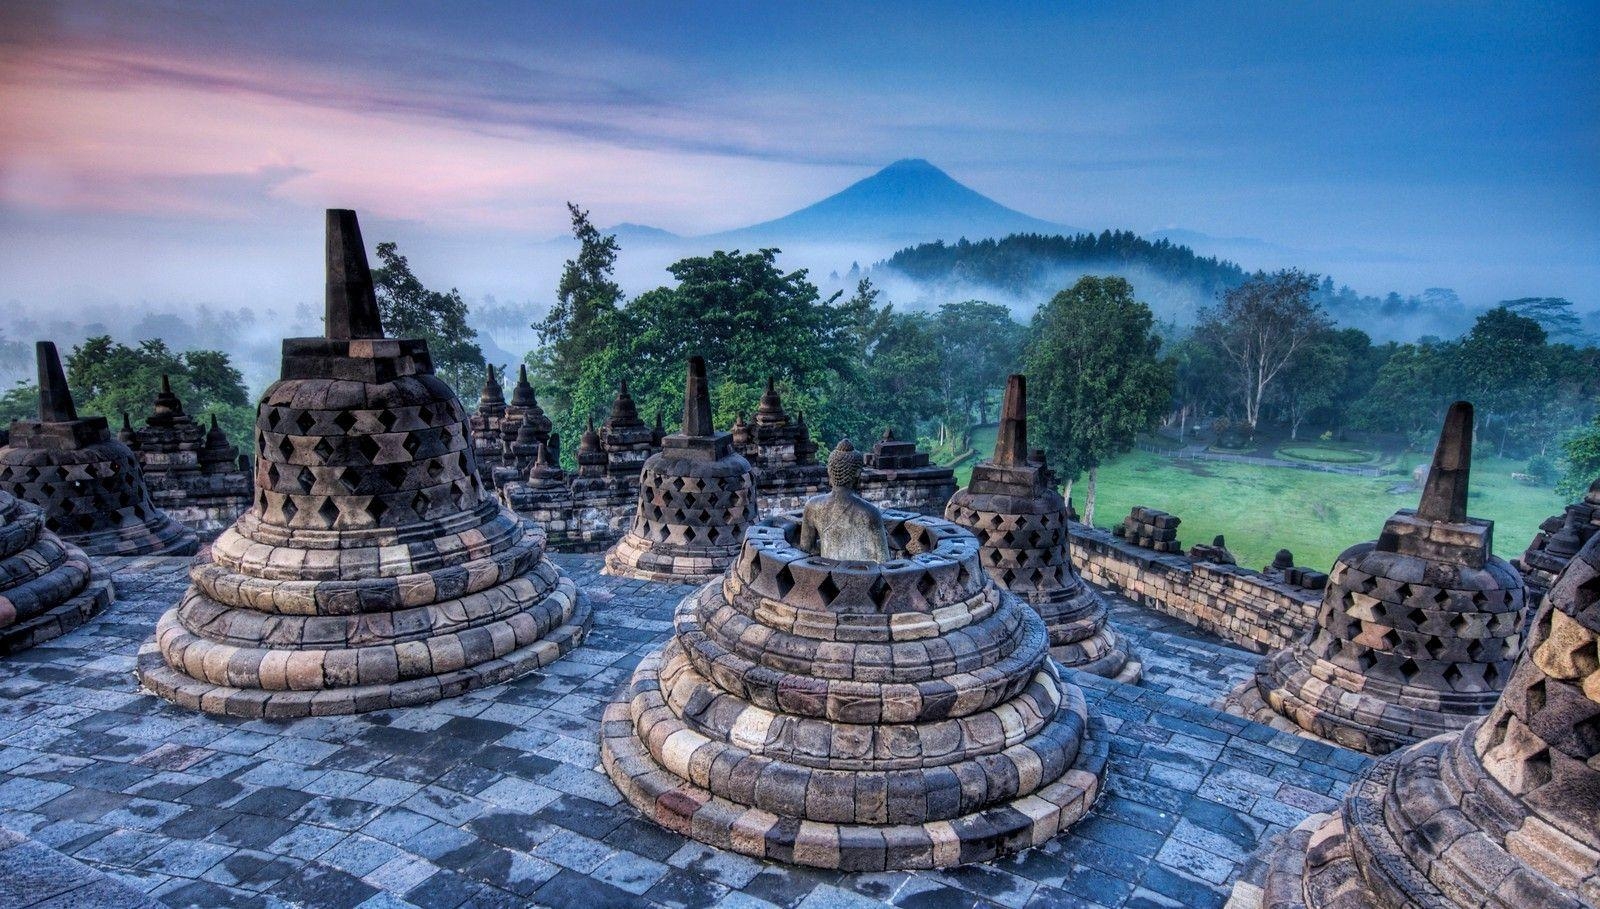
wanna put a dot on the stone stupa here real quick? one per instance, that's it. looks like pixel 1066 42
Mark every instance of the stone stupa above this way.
pixel 373 570
pixel 696 499
pixel 47 585
pixel 1417 632
pixel 193 473
pixel 1503 815
pixel 855 714
pixel 1559 538
pixel 1021 522
pixel 88 483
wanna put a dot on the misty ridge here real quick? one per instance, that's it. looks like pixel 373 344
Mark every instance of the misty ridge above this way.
pixel 1019 261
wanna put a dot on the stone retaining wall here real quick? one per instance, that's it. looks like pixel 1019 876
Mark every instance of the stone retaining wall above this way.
pixel 1244 607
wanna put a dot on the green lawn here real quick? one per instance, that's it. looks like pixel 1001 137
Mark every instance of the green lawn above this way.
pixel 1313 514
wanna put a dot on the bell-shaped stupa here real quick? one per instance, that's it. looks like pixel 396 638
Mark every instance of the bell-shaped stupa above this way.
pixel 697 497
pixel 1418 630
pixel 1021 522
pixel 1503 815
pixel 373 570
pixel 855 714
pixel 89 484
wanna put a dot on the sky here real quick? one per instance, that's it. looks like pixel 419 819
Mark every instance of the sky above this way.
pixel 170 155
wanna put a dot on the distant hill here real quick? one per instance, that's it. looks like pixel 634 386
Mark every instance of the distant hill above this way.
pixel 910 200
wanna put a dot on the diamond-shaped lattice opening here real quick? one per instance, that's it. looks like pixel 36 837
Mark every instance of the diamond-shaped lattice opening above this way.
pixel 345 420
pixel 67 506
pixel 305 421
pixel 1391 639
pixel 785 580
pixel 286 448
pixel 1535 772
pixel 1475 650
pixel 350 478
pixel 828 589
pixel 1366 659
pixel 1452 674
pixel 1410 669
pixel 328 511
pixel 1434 647
pixel 435 468
pixel 689 535
pixel 425 414
pixel 1417 617
pixel 272 475
pixel 323 448
pixel 368 446
pixel 411 444
pixel 395 475
pixel 1534 698
pixel 446 437
pixel 290 509
pixel 48 489
pixel 419 503
pixel 273 416
pixel 1459 623
pixel 926 585
pixel 713 533
pixel 880 591
pixel 386 419
pixel 377 508
pixel 85 522
pixel 1491 675
pixel 305 479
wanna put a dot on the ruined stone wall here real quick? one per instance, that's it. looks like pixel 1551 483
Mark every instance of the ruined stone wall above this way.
pixel 1244 607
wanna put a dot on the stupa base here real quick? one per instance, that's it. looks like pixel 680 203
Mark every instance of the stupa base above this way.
pixel 1287 694
pixel 1105 654
pixel 59 619
pixel 184 690
pixel 683 806
pixel 635 558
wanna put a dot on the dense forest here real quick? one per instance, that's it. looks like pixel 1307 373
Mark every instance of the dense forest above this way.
pixel 1173 279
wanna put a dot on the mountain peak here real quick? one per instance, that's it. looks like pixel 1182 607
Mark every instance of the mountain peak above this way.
pixel 909 200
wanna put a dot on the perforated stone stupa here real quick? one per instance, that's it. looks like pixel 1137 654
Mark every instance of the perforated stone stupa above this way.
pixel 856 715
pixel 1417 632
pixel 696 499
pixel 1503 815
pixel 193 473
pixel 88 483
pixel 1559 538
pixel 47 586
pixel 1021 522
pixel 373 570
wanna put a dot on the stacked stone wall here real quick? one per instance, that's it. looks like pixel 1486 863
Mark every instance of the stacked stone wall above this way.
pixel 1244 607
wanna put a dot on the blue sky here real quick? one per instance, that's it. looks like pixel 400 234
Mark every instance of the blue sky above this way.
pixel 187 149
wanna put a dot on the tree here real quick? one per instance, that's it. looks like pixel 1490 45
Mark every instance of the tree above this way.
pixel 1312 380
pixel 109 379
pixel 1095 375
pixel 979 345
pixel 1259 327
pixel 578 325
pixel 1580 461
pixel 411 310
pixel 1554 315
pixel 1500 366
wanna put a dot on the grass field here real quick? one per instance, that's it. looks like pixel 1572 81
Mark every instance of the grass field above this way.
pixel 1313 514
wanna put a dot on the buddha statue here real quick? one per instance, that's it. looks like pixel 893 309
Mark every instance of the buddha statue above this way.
pixel 841 524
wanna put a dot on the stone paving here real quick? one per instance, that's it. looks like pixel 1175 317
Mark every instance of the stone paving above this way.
pixel 495 798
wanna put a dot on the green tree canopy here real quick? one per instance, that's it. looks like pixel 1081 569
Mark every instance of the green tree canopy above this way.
pixel 1095 376
pixel 411 310
pixel 580 325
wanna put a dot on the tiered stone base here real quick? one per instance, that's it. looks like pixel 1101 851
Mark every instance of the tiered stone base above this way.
pixel 47 587
pixel 158 535
pixel 1294 691
pixel 278 631
pixel 735 799
pixel 1430 828
pixel 637 557
pixel 1081 639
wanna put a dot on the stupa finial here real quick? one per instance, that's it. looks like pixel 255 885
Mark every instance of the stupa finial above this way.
pixel 55 398
pixel 1011 443
pixel 352 305
pixel 1444 495
pixel 697 400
